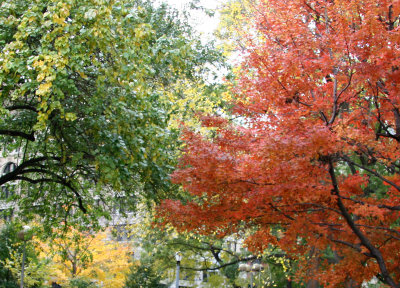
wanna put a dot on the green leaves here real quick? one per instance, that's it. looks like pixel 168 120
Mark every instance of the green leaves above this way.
pixel 91 80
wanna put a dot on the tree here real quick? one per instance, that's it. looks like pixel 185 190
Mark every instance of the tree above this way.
pixel 233 26
pixel 314 151
pixel 85 258
pixel 216 258
pixel 84 106
pixel 143 275
pixel 156 247
pixel 7 279
pixel 11 250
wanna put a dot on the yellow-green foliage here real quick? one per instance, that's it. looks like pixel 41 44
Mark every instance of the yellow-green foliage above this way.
pixel 34 271
pixel 216 280
pixel 234 24
pixel 91 91
pixel 96 258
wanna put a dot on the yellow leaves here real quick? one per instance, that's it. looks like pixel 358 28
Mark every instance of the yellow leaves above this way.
pixel 83 75
pixel 70 116
pixel 191 105
pixel 90 14
pixel 235 8
pixel 62 43
pixel 58 14
pixel 234 23
pixel 110 260
pixel 34 270
pixel 188 99
pixel 5 65
pixel 142 30
pixel 46 72
pixel 170 229
pixel 40 77
pixel 40 125
pixel 47 67
pixel 44 88
pixel 31 19
pixel 64 11
pixel 58 20
pixel 227 96
pixel 38 63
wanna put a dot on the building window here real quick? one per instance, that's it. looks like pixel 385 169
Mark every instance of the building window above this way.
pixel 8 190
pixel 6 214
pixel 10 166
pixel 119 205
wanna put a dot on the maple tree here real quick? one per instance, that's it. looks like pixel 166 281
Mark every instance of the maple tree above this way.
pixel 315 150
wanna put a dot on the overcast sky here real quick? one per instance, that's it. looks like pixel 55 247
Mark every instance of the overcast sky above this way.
pixel 201 21
pixel 204 24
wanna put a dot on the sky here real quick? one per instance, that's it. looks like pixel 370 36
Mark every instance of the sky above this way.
pixel 204 24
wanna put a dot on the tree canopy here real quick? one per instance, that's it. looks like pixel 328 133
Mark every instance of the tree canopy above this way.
pixel 88 258
pixel 314 151
pixel 85 109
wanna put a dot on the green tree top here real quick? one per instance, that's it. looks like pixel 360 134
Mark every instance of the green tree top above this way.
pixel 82 92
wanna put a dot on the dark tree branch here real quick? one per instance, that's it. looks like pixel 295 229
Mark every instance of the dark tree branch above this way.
pixel 280 211
pixel 34 181
pixel 360 235
pixel 21 107
pixel 393 208
pixel 324 117
pixel 351 245
pixel 60 181
pixel 245 259
pixel 222 265
pixel 215 252
pixel 24 168
pixel 347 159
pixel 19 169
pixel 30 137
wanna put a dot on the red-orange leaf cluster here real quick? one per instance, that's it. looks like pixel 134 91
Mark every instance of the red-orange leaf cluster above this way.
pixel 318 154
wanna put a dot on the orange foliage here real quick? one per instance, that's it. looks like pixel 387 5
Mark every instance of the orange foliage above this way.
pixel 319 91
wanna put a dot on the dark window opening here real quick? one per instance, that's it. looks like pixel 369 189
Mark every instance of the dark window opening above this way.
pixel 8 189
pixel 6 214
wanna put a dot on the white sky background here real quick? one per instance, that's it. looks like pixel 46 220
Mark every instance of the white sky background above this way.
pixel 205 25
pixel 200 21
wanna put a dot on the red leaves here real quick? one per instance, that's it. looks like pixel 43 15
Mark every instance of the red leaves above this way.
pixel 353 184
pixel 320 98
pixel 213 121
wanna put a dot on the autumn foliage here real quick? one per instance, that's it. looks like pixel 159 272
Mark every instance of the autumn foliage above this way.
pixel 95 258
pixel 316 150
